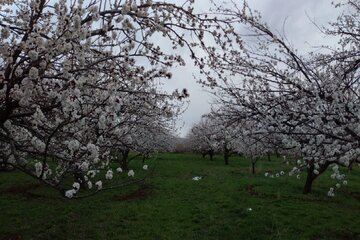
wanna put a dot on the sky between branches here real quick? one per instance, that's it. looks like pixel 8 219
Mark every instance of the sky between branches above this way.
pixel 293 18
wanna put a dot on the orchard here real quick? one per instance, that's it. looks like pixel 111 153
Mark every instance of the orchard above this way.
pixel 83 109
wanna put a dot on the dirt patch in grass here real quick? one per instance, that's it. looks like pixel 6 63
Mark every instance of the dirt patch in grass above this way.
pixel 24 191
pixel 10 237
pixel 305 197
pixel 142 193
pixel 355 195
pixel 251 190
pixel 347 236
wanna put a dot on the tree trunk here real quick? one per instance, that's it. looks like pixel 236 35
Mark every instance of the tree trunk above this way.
pixel 5 167
pixel 269 156
pixel 309 180
pixel 253 166
pixel 226 158
pixel 124 161
pixel 311 176
pixel 145 156
pixel 277 153
pixel 79 177
pixel 226 155
pixel 350 167
pixel 211 153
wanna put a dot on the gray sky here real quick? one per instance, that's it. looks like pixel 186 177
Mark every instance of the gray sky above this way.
pixel 298 28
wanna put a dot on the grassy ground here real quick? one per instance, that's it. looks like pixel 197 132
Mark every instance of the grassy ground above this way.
pixel 172 206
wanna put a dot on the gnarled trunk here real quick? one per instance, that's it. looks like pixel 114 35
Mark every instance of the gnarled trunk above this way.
pixel 5 167
pixel 277 153
pixel 253 166
pixel 211 153
pixel 124 160
pixel 226 154
pixel 311 176
pixel 269 156
pixel 309 180
pixel 79 177
pixel 145 156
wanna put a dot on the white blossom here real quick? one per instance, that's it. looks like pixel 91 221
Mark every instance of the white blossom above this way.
pixel 77 22
pixel 73 145
pixel 94 9
pixel 98 184
pixel 38 168
pixel 33 55
pixel 131 173
pixel 84 166
pixel 76 186
pixel 109 174
pixel 33 73
pixel 196 178
pixel 5 32
pixel 70 193
pixel 91 173
pixel 331 192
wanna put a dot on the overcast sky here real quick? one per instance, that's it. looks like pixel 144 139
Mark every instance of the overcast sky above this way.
pixel 298 28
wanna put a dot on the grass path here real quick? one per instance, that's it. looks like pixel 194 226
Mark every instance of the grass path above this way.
pixel 172 206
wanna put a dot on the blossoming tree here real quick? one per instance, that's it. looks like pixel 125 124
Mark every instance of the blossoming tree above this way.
pixel 202 138
pixel 74 75
pixel 213 134
pixel 310 100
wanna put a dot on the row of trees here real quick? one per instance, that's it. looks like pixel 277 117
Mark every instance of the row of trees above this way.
pixel 216 134
pixel 78 82
pixel 309 102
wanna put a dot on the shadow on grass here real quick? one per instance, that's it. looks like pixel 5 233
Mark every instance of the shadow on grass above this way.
pixel 142 193
pixel 11 237
pixel 26 191
pixel 251 189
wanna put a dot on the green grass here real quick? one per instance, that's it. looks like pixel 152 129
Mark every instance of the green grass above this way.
pixel 172 206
